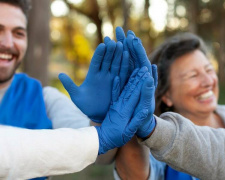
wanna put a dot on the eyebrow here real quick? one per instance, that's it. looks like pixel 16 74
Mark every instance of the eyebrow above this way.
pixel 207 65
pixel 20 28
pixel 16 28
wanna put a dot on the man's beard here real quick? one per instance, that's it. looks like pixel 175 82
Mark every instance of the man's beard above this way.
pixel 6 76
pixel 7 73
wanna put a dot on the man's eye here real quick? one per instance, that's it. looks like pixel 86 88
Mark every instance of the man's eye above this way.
pixel 20 34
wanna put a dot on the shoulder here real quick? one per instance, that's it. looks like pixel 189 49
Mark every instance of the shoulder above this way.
pixel 220 110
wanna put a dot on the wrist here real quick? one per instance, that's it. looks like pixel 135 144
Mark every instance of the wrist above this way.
pixel 97 121
pixel 146 130
pixel 103 146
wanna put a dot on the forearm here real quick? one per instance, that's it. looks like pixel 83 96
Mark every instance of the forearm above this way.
pixel 132 161
pixel 186 147
pixel 28 154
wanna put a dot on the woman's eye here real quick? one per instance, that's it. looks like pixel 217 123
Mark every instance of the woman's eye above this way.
pixel 192 75
pixel 209 70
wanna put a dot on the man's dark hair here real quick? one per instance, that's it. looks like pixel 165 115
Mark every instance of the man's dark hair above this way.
pixel 24 5
pixel 165 55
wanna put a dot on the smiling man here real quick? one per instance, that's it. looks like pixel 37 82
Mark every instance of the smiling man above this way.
pixel 13 41
pixel 23 101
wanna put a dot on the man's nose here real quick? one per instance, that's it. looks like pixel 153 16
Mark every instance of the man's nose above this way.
pixel 6 39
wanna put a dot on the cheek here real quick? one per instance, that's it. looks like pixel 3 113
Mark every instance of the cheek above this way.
pixel 22 47
pixel 186 89
pixel 216 86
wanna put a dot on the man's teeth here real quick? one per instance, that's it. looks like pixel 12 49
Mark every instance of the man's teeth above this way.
pixel 6 56
pixel 205 95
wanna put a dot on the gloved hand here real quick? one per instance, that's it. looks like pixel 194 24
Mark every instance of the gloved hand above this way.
pixel 93 97
pixel 138 56
pixel 148 99
pixel 119 126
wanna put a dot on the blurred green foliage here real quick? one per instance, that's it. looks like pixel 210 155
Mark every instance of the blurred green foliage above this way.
pixel 92 172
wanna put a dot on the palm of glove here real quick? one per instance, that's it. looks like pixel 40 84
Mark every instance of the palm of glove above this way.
pixel 93 97
pixel 98 98
pixel 119 125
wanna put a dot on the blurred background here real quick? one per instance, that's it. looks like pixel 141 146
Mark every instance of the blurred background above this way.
pixel 63 35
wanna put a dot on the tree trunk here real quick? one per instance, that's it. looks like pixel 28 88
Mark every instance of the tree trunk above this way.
pixel 193 8
pixel 37 57
pixel 126 12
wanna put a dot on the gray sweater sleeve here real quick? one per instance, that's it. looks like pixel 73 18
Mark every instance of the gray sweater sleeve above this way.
pixel 199 151
pixel 62 111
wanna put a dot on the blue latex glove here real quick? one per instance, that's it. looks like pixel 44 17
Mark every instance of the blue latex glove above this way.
pixel 148 93
pixel 119 126
pixel 93 97
pixel 138 56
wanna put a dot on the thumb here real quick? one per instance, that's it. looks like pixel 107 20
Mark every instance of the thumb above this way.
pixel 68 84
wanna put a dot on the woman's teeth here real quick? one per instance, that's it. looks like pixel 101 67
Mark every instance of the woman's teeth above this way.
pixel 205 95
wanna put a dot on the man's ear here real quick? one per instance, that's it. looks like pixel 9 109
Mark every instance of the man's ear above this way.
pixel 167 100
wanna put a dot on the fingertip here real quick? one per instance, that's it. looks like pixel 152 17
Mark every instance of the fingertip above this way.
pixel 111 43
pixel 129 32
pixel 101 47
pixel 130 37
pixel 154 67
pixel 107 39
pixel 136 41
pixel 61 75
pixel 149 82
pixel 119 45
pixel 119 28
pixel 144 69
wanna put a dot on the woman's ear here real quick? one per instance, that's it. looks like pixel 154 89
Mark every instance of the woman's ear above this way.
pixel 167 100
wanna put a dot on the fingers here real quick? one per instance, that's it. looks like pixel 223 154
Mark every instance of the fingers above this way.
pixel 134 124
pixel 110 48
pixel 124 69
pixel 116 89
pixel 129 32
pixel 107 40
pixel 136 84
pixel 155 75
pixel 131 79
pixel 141 54
pixel 129 42
pixel 115 67
pixel 120 35
pixel 147 94
pixel 68 84
pixel 97 58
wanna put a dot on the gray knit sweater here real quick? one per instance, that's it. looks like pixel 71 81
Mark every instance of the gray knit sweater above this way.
pixel 199 151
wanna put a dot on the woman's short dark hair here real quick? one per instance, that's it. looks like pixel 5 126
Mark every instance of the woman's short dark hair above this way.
pixel 165 55
pixel 24 5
